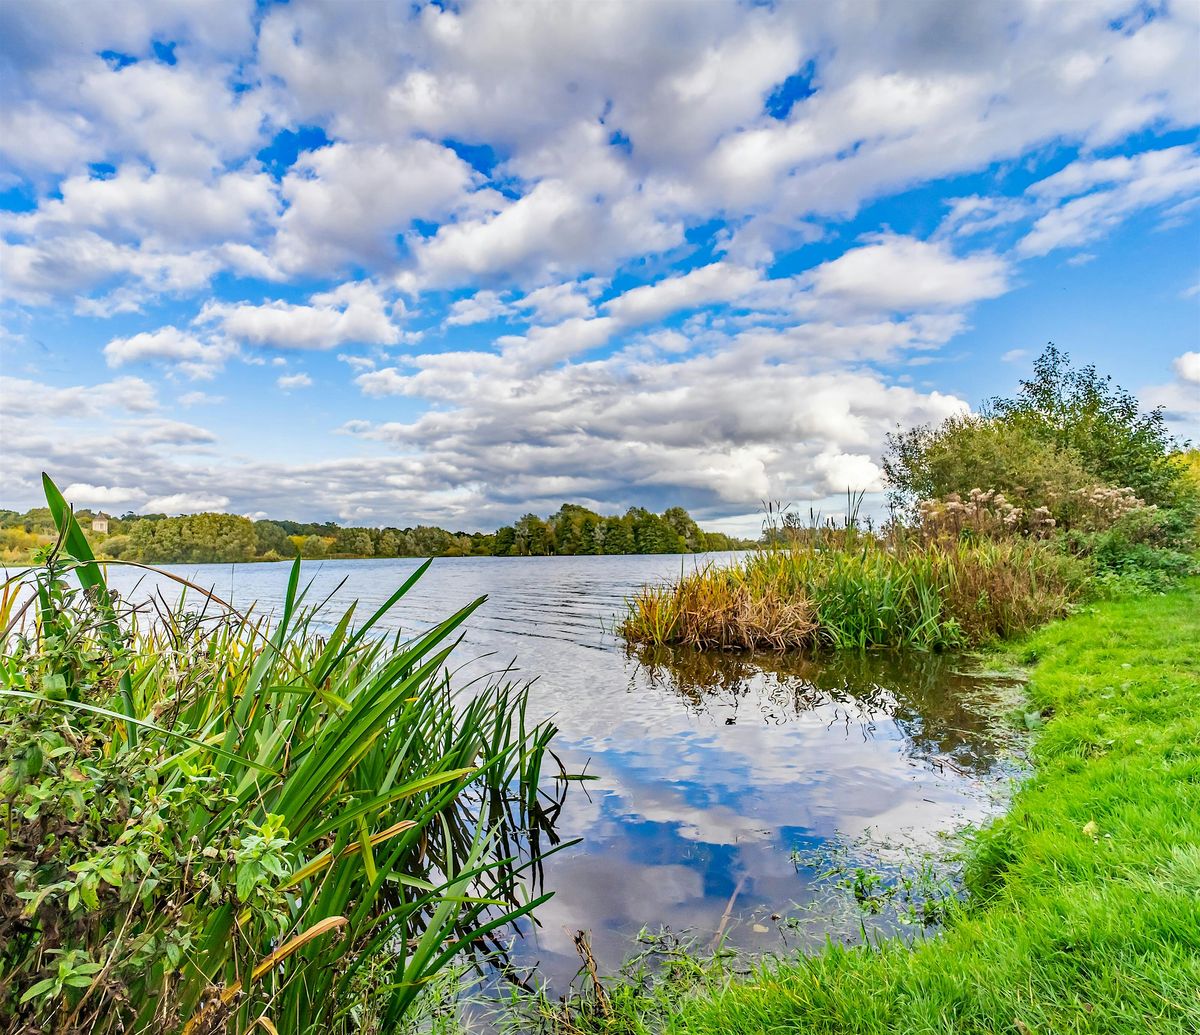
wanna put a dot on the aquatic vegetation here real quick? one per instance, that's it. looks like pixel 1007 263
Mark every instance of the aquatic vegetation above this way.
pixel 850 588
pixel 214 821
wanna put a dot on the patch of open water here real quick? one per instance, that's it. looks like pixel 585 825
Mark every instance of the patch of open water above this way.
pixel 711 773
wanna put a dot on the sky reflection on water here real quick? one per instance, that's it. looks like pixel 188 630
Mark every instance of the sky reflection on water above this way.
pixel 709 771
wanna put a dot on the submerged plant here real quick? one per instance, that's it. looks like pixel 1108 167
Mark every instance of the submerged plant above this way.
pixel 213 822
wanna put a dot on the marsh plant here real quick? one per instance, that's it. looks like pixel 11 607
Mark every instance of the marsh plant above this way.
pixel 851 587
pixel 216 822
pixel 1001 521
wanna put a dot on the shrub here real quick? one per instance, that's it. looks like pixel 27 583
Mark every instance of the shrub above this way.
pixel 1079 410
pixel 987 514
pixel 969 451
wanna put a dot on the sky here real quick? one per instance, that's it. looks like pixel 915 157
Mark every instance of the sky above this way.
pixel 400 263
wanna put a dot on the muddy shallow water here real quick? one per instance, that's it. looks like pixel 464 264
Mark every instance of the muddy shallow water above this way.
pixel 722 784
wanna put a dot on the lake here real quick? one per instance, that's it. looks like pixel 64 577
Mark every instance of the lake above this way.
pixel 721 784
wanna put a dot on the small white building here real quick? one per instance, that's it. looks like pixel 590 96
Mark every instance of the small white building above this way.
pixel 100 524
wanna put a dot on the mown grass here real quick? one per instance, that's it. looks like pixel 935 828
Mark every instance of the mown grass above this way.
pixel 1084 907
pixel 843 588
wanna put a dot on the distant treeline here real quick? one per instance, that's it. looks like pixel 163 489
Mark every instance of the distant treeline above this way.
pixel 227 538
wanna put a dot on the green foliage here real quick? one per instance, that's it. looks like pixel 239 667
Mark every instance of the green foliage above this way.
pixel 847 588
pixel 226 538
pixel 271 540
pixel 1079 410
pixel 1067 428
pixel 303 831
pixel 353 542
pixel 972 452
pixel 193 538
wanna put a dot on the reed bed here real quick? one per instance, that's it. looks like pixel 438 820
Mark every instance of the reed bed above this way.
pixel 214 822
pixel 847 588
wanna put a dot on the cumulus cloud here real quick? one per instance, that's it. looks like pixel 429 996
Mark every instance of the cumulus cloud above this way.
pixel 630 197
pixel 717 282
pixel 289 381
pixel 347 202
pixel 186 503
pixel 83 494
pixel 1187 367
pixel 903 274
pixel 196 358
pixel 354 312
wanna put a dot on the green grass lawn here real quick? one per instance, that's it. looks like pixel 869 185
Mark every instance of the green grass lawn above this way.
pixel 1085 908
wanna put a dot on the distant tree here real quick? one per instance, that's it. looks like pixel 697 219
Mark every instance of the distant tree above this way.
pixel 312 546
pixel 429 541
pixel 114 546
pixel 681 523
pixel 530 537
pixel 387 544
pixel 195 538
pixel 270 538
pixel 506 538
pixel 354 542
pixel 617 534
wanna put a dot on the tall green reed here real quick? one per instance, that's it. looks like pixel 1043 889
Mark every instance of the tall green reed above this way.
pixel 214 821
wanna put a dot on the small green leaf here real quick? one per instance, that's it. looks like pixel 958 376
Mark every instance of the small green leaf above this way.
pixel 45 985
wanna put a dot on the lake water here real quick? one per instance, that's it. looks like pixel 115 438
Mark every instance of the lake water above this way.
pixel 711 773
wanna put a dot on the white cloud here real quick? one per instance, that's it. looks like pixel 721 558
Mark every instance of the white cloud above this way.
pixel 290 381
pixel 1133 183
pixel 605 152
pixel 552 231
pixel 717 282
pixel 83 494
pixel 903 274
pixel 1187 367
pixel 347 202
pixel 79 264
pixel 196 358
pixel 200 399
pixel 477 308
pixel 24 398
pixel 136 204
pixel 355 312
pixel 185 503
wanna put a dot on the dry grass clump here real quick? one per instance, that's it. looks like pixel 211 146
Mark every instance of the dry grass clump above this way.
pixel 846 588
pixel 721 609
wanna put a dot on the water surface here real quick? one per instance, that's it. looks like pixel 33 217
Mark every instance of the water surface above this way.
pixel 711 773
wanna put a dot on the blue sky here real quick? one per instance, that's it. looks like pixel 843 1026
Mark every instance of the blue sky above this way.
pixel 399 263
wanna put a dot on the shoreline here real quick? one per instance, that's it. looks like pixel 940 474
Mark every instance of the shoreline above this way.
pixel 1083 912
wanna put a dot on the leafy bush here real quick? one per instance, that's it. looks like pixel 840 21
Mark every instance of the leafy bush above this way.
pixel 1101 423
pixel 973 452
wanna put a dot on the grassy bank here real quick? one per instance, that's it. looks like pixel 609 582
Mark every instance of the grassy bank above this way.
pixel 1084 913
